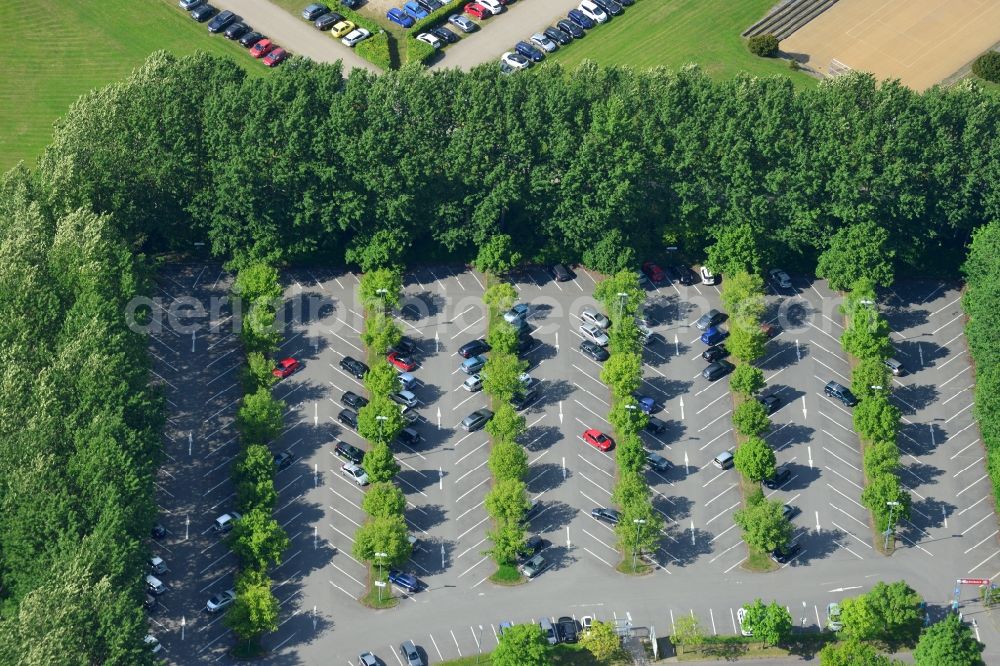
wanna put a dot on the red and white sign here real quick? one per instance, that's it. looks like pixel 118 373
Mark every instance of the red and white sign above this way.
pixel 974 581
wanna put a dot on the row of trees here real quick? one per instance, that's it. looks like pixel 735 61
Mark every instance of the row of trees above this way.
pixel 982 304
pixel 257 539
pixel 383 539
pixel 507 501
pixel 599 165
pixel 876 420
pixel 80 436
pixel 641 526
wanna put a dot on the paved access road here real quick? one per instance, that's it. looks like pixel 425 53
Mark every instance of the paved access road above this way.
pixel 951 534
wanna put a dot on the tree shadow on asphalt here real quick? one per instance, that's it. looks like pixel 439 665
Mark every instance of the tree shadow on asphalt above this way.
pixel 791 434
pixel 919 473
pixel 675 506
pixel 553 515
pixel 685 550
pixel 659 309
pixel 928 512
pixel 545 477
pixel 778 354
pixel 802 476
pixel 911 351
pixel 553 391
pixel 787 394
pixel 817 545
pixel 427 556
pixel 538 438
pixel 670 388
pixel 673 432
pixel 417 480
pixel 426 516
pixel 428 394
pixel 659 354
pixel 920 439
pixel 902 318
pixel 414 307
pixel 302 628
pixel 916 397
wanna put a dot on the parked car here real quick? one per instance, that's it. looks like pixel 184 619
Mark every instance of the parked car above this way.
pixel 410 654
pixel 155 586
pixel 353 400
pixel 542 41
pixel 593 12
pixel 686 276
pixel 407 398
pixel 202 13
pixel 474 348
pixel 349 418
pixel 571 28
pixel 532 546
pixel 657 462
pixel 476 420
pixel 833 622
pixel 262 48
pixel 355 473
pixel 352 4
pixel 789 511
pixel 609 6
pixel 407 380
pixel 522 400
pixel 399 17
pixel 562 273
pixel 286 367
pixel 781 278
pixel 341 28
pixel 581 19
pixel 714 353
pixel 778 479
pixel 713 336
pixel 654 273
pixel 414 10
pixel 594 334
pixel 408 437
pixel 655 426
pixel 222 21
pixel 610 516
pixel 250 39
pixel 519 312
pixel 283 459
pixel 462 23
pixel 327 21
pixel 592 316
pixel 237 30
pixel 594 351
pixel 477 10
pixel 741 615
pixel 598 440
pixel 646 403
pixel 275 57
pixel 841 393
pixel 188 5
pixel 445 35
pixel 895 367
pixel 314 11
pixel 724 460
pixel 368 659
pixel 158 531
pixel 567 629
pixel 771 403
pixel 428 38
pixel 220 601
pixel 473 365
pixel 534 566
pixel 558 35
pixel 717 370
pixel 473 383
pixel 350 453
pixel 225 522
pixel 407 581
pixel 786 554
pixel 353 367
pixel 157 565
pixel 711 318
pixel 548 630
pixel 404 363
pixel 494 6
pixel 707 276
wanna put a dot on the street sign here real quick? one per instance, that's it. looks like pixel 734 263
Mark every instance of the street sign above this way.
pixel 379 583
pixel 974 581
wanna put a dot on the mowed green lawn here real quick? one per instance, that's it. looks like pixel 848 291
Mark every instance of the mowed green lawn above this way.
pixel 60 49
pixel 676 32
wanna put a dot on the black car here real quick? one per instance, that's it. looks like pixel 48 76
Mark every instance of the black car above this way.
pixel 657 462
pixel 558 35
pixel 780 477
pixel 717 370
pixel 222 21
pixel 408 437
pixel 354 367
pixel 685 275
pixel 609 6
pixel 250 39
pixel 353 400
pixel 314 11
pixel 532 546
pixel 789 511
pixel 566 626
pixel 522 400
pixel 609 516
pixel 525 344
pixel 594 351
pixel 354 4
pixel 560 272
pixel 655 426
pixel 202 13
pixel 327 21
pixel 770 402
pixel 571 28
pixel 405 347
pixel 474 348
pixel 350 453
pixel 841 393
pixel 429 5
pixel 626 3
pixel 529 51
pixel 715 353
pixel 785 555
pixel 348 417
pixel 237 30
pixel 283 460
pixel 445 35
pixel 158 531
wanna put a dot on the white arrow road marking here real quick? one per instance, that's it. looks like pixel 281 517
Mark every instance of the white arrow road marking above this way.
pixel 560 413
pixel 682 408
pixel 692 532
pixel 677 345
pixel 440 481
pixel 817 521
pixel 439 418
pixel 569 544
pixel 803 407
pixel 687 469
pixel 315 414
pixel 810 450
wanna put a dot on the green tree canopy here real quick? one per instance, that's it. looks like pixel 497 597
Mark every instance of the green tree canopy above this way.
pixel 522 645
pixel 888 612
pixel 626 417
pixel 852 653
pixel 948 643
pixel 261 417
pixel 383 499
pixel 746 341
pixel 750 418
pixel 878 493
pixel 622 373
pixel 388 535
pixel 501 375
pixel 497 255
pixel 736 249
pixel 877 419
pixel 380 289
pixel 763 523
pixel 380 333
pixel 257 281
pixel 379 464
pixel 508 461
pixel 868 374
pixel 602 641
pixel 857 251
pixel 506 424
pixel 620 307
pixel 508 543
pixel 507 501
pixel 755 459
pixel 746 379
pixel 258 540
pixel 380 420
pixel 500 296
pixel 771 623
pixel 255 610
pixel 743 295
pixel 382 379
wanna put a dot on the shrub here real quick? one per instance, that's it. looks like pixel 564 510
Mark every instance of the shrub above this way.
pixel 750 418
pixel 438 16
pixel 376 49
pixel 987 66
pixel 765 46
pixel 418 51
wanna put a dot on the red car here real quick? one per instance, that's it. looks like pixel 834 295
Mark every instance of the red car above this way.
pixel 598 440
pixel 476 10
pixel 286 367
pixel 654 272
pixel 262 48
pixel 401 362
pixel 275 57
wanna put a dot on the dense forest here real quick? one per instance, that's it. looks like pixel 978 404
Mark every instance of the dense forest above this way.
pixel 598 165
pixel 602 166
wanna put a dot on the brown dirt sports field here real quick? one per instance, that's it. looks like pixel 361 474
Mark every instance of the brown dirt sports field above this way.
pixel 920 42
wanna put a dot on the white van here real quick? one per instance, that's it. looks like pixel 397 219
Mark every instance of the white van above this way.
pixel 592 11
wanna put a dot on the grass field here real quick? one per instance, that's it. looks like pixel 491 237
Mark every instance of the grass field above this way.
pixel 63 48
pixel 676 32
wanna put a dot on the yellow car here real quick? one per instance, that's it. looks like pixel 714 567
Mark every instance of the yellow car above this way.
pixel 342 28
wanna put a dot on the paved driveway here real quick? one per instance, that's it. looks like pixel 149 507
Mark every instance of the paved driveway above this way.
pixel 291 32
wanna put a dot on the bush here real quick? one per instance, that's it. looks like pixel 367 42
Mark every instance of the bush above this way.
pixel 765 46
pixel 987 66
pixel 376 49
pixel 750 418
pixel 418 51
pixel 438 16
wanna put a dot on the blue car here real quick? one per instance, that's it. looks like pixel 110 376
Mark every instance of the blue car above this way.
pixel 713 336
pixel 646 403
pixel 404 580
pixel 581 19
pixel 530 52
pixel 415 10
pixel 399 17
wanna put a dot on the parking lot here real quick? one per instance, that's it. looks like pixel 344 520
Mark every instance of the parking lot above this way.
pixel 951 534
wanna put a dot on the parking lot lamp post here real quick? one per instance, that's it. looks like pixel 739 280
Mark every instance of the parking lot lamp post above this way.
pixel 891 528
pixel 621 303
pixel 635 546
pixel 379 557
pixel 382 292
pixel 381 418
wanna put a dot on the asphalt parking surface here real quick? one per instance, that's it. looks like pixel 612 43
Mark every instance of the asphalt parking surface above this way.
pixel 952 532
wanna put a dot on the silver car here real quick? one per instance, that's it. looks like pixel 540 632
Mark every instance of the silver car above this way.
pixel 476 420
pixel 781 277
pixel 410 654
pixel 462 23
pixel 594 334
pixel 592 316
pixel 473 383
pixel 220 601
pixel 543 42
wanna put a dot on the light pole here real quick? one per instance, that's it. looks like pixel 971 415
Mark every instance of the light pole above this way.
pixel 889 530
pixel 635 546
pixel 381 418
pixel 382 292
pixel 380 583
pixel 621 303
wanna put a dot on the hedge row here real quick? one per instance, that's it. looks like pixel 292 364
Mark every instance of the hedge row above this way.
pixel 982 304
pixel 377 48
pixel 418 51
pixel 438 16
